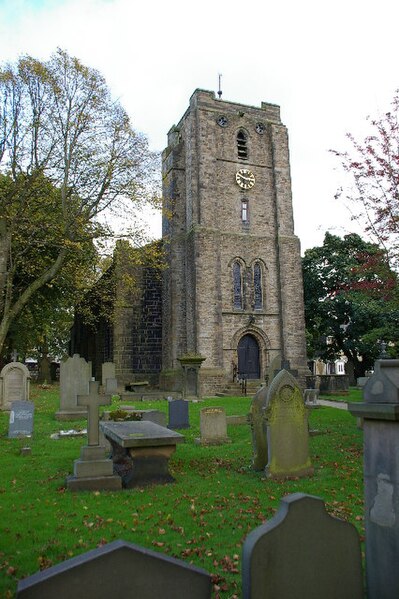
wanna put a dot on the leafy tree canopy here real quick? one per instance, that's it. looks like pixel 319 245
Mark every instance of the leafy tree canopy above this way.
pixel 351 301
pixel 68 156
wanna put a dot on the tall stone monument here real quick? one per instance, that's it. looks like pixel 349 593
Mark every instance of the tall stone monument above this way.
pixel 75 375
pixel 380 413
pixel 92 471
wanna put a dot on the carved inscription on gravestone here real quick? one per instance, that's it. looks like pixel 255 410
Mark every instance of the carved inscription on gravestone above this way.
pixel 21 419
pixel 287 429
pixel 14 384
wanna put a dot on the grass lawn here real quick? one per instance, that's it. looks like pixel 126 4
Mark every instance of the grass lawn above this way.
pixel 203 518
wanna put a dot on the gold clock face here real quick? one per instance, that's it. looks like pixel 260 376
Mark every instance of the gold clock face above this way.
pixel 245 178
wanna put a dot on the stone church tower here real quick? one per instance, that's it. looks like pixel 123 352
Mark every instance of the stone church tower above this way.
pixel 233 289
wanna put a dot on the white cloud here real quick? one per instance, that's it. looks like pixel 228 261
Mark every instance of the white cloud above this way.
pixel 328 68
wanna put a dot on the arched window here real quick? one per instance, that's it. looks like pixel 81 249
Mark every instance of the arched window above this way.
pixel 242 149
pixel 237 286
pixel 244 211
pixel 258 294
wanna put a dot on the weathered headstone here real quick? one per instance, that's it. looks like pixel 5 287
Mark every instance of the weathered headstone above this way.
pixel 310 396
pixel 14 384
pixel 119 569
pixel 107 372
pixel 93 471
pixel 302 552
pixel 111 386
pixel 287 429
pixel 21 419
pixel 258 429
pixel 380 414
pixel 273 368
pixel 178 414
pixel 213 427
pixel 75 375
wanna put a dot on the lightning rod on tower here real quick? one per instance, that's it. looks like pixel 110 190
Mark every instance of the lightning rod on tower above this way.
pixel 220 89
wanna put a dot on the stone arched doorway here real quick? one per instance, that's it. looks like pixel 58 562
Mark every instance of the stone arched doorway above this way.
pixel 248 357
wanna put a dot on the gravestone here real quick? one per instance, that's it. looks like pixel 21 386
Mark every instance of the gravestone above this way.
pixel 92 471
pixel 21 419
pixel 118 569
pixel 258 429
pixel 75 375
pixel 287 429
pixel 111 387
pixel 178 414
pixel 155 416
pixel 141 451
pixel 273 368
pixel 302 552
pixel 107 372
pixel 14 384
pixel 380 415
pixel 213 427
pixel 310 396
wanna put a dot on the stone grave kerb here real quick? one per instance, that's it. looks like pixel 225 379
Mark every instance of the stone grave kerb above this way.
pixel 92 402
pixel 302 552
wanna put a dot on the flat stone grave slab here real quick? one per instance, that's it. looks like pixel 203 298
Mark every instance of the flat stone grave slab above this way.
pixel 141 451
pixel 21 419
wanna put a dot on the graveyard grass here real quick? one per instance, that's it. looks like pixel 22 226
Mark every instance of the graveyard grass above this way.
pixel 203 518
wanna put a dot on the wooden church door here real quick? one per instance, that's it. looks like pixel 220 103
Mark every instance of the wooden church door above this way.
pixel 248 357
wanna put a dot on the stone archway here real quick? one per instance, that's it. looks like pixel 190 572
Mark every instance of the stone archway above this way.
pixel 248 357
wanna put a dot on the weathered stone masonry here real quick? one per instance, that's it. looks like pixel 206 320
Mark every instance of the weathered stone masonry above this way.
pixel 232 290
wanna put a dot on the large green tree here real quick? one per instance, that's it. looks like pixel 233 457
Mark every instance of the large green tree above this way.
pixel 68 156
pixel 351 301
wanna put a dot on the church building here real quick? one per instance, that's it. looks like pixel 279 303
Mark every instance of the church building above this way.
pixel 229 302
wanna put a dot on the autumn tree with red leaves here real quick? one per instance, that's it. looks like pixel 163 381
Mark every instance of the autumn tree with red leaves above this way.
pixel 373 170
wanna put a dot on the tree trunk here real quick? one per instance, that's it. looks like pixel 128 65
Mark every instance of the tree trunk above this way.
pixel 9 315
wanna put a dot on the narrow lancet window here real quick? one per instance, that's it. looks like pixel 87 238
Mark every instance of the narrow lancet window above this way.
pixel 244 211
pixel 258 300
pixel 237 286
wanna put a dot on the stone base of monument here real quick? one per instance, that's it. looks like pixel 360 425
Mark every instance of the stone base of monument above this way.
pixel 71 414
pixel 93 472
pixel 212 441
pixel 142 466
pixel 289 473
pixel 141 451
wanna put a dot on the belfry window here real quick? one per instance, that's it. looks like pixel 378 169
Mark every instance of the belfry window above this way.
pixel 242 149
pixel 258 299
pixel 237 286
pixel 244 211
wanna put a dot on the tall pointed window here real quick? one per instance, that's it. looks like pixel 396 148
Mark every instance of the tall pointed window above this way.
pixel 244 211
pixel 237 286
pixel 258 294
pixel 242 149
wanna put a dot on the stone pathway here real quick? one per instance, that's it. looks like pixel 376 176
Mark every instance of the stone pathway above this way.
pixel 341 405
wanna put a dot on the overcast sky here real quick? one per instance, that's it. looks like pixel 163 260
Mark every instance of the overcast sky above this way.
pixel 328 65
